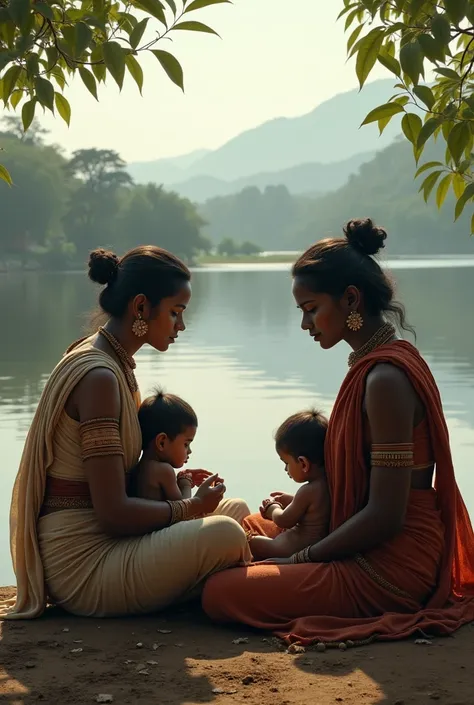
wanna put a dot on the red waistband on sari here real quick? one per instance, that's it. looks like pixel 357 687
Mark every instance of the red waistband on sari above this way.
pixel 66 494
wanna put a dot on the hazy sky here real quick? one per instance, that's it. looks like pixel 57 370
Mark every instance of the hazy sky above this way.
pixel 275 58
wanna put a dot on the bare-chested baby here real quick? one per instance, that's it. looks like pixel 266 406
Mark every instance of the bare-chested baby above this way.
pixel 303 518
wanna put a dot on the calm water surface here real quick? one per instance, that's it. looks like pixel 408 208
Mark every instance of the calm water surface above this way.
pixel 243 363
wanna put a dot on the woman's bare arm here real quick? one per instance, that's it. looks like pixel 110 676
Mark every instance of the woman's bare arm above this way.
pixel 390 404
pixel 98 396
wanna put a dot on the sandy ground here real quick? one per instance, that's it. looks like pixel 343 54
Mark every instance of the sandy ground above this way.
pixel 182 659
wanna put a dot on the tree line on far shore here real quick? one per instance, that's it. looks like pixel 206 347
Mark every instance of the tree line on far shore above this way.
pixel 58 209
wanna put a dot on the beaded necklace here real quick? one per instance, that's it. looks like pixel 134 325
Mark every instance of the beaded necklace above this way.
pixel 384 334
pixel 126 361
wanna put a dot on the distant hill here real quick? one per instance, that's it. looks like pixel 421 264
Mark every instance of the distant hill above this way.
pixel 329 133
pixel 164 170
pixel 302 179
pixel 384 189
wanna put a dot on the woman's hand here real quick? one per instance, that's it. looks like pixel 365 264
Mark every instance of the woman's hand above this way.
pixel 200 475
pixel 209 494
pixel 283 498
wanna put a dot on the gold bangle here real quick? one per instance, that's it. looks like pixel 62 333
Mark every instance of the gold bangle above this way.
pixel 392 455
pixel 302 556
pixel 180 510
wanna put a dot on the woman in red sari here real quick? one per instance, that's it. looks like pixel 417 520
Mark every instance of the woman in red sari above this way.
pixel 400 554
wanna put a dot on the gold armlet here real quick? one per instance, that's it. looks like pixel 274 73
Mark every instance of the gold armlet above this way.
pixel 301 556
pixel 392 455
pixel 180 510
pixel 100 437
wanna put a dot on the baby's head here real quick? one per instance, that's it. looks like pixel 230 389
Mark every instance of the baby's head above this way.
pixel 300 444
pixel 168 426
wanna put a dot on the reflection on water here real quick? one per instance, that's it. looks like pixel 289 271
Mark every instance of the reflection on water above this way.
pixel 243 363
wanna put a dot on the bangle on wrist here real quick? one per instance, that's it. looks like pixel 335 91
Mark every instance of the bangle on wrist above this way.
pixel 181 510
pixel 185 475
pixel 272 504
pixel 301 556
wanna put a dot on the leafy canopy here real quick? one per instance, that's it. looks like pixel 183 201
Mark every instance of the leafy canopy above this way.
pixel 411 38
pixel 45 43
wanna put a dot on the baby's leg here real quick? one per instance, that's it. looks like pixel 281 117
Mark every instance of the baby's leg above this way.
pixel 263 547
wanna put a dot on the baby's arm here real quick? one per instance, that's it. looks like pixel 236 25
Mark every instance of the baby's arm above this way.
pixel 294 512
pixel 162 477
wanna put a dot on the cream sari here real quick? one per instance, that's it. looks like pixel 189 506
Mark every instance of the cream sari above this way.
pixel 65 555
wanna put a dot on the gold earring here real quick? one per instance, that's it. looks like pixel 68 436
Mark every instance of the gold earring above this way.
pixel 140 327
pixel 354 321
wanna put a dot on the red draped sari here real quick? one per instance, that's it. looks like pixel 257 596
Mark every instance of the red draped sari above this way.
pixel 422 580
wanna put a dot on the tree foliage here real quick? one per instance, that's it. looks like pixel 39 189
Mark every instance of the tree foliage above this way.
pixel 89 201
pixel 45 43
pixel 414 39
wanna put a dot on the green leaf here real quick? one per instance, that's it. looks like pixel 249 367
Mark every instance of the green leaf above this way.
pixel 449 73
pixel 425 94
pixel 367 53
pixel 19 11
pixel 43 9
pixel 172 5
pixel 383 111
pixel 443 188
pixel 458 185
pixel 458 140
pixel 97 65
pixel 114 58
pixel 429 183
pixel 15 98
pixel 390 63
pixel 155 8
pixel 354 37
pixel 199 4
pixel 82 38
pixel 52 54
pixel 89 81
pixel 411 126
pixel 63 108
pixel 472 225
pixel 171 66
pixel 135 70
pixel 32 65
pixel 192 26
pixel 432 49
pixel 456 10
pixel 463 200
pixel 58 75
pixel 5 176
pixel 428 165
pixel 137 33
pixel 426 131
pixel 45 92
pixel 350 19
pixel 28 113
pixel 441 29
pixel 411 60
pixel 9 81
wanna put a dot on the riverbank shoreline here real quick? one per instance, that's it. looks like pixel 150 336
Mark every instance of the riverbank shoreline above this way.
pixel 180 658
pixel 209 261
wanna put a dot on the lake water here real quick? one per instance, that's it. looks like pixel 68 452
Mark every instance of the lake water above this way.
pixel 243 363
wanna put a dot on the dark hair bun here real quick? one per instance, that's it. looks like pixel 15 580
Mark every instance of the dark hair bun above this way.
pixel 103 266
pixel 365 236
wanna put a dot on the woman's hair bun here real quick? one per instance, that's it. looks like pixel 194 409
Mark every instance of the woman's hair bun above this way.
pixel 103 266
pixel 365 236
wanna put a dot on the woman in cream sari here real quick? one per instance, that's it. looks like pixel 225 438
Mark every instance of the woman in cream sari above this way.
pixel 77 539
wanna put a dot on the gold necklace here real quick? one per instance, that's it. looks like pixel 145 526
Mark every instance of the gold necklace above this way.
pixel 380 337
pixel 126 361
